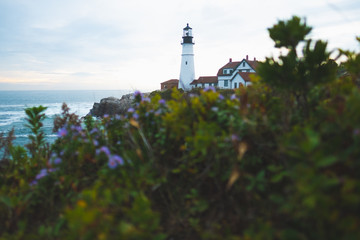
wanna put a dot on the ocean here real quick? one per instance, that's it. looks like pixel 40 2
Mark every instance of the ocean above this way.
pixel 13 103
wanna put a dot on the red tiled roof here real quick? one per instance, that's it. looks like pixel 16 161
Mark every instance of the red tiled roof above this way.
pixel 171 81
pixel 208 79
pixel 253 64
pixel 246 75
pixel 231 65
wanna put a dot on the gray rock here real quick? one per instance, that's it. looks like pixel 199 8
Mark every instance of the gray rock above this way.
pixel 112 106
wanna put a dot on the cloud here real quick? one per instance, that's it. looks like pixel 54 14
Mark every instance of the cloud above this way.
pixel 136 44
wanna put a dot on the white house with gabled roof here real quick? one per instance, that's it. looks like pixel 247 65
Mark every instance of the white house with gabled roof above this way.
pixel 231 75
pixel 234 74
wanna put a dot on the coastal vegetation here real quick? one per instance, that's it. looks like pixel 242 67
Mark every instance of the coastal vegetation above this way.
pixel 276 160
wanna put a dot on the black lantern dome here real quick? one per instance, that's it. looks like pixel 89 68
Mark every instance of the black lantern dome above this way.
pixel 187 35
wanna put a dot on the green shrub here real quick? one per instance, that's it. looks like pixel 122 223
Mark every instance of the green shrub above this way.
pixel 275 160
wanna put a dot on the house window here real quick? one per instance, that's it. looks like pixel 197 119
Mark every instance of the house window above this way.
pixel 235 85
pixel 215 84
pixel 226 83
pixel 227 71
pixel 243 64
pixel 203 85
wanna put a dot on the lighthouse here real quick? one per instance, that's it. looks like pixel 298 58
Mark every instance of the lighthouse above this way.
pixel 187 70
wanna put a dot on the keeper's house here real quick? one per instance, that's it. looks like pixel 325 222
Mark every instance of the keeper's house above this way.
pixel 232 75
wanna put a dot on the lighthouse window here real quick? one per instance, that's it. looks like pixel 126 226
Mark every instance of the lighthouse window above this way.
pixel 186 63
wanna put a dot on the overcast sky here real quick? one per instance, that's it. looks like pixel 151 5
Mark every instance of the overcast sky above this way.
pixel 135 44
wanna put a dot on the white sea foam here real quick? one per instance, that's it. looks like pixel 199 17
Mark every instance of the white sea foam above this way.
pixel 80 108
pixel 11 105
pixel 27 135
pixel 10 119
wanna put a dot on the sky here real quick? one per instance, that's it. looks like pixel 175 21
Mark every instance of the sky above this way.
pixel 136 44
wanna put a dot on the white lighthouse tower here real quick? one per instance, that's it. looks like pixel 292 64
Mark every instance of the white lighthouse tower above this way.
pixel 187 71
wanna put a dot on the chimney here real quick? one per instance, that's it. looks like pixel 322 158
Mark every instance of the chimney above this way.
pixel 247 57
pixel 254 59
pixel 230 59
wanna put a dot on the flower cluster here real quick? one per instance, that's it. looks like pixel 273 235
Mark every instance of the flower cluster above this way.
pixel 210 88
pixel 113 159
pixel 43 173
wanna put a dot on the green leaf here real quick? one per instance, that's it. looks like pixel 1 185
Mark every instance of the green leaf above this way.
pixel 6 200
pixel 327 161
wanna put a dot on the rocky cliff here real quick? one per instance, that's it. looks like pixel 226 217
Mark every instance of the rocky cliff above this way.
pixel 112 106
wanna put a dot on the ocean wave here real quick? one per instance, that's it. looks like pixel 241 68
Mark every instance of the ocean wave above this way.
pixel 79 108
pixel 10 120
pixel 27 135
pixel 11 105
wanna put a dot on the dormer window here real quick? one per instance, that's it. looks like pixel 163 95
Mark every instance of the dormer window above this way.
pixel 227 71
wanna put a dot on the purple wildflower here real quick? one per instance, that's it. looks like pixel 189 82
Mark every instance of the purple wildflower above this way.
pixel 162 101
pixel 221 97
pixel 106 115
pixel 76 128
pixel 146 99
pixel 131 110
pixel 117 159
pixel 234 137
pixel 103 149
pixel 209 88
pixel 43 173
pixel 95 142
pixel 137 93
pixel 158 112
pixel 136 116
pixel 233 97
pixel 112 163
pixel 52 169
pixel 33 183
pixel 94 130
pixel 62 132
pixel 57 161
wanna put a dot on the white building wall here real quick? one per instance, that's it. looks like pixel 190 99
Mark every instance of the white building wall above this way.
pixel 187 70
pixel 221 81
pixel 238 80
pixel 244 67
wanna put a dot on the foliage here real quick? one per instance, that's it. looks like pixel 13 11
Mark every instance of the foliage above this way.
pixel 35 116
pixel 275 160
